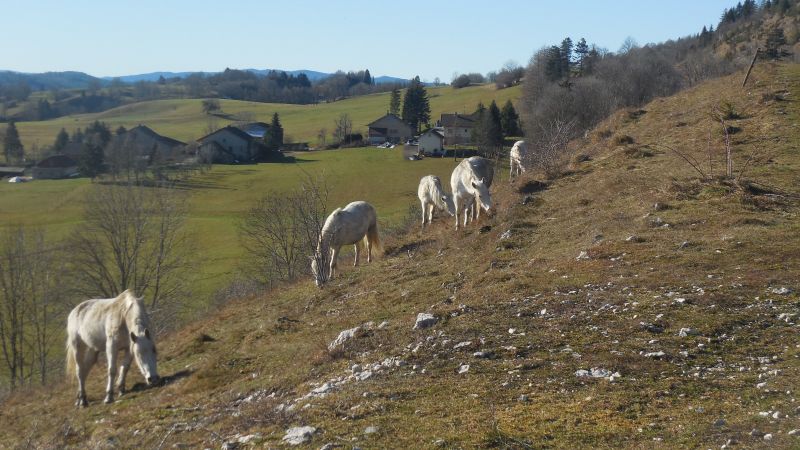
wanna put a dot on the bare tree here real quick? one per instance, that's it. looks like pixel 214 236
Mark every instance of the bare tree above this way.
pixel 133 238
pixel 344 126
pixel 282 230
pixel 30 302
pixel 549 151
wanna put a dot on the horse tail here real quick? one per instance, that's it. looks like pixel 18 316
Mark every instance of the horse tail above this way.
pixel 71 362
pixel 373 238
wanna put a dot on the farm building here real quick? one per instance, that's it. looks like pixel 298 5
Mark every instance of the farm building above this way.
pixel 146 143
pixel 431 142
pixel 457 128
pixel 389 128
pixel 228 145
pixel 57 166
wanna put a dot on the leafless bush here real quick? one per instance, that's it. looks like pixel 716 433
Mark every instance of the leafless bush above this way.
pixel 548 153
pixel 133 238
pixel 281 231
pixel 31 299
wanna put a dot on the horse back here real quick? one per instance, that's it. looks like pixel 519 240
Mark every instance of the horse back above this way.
pixel 92 320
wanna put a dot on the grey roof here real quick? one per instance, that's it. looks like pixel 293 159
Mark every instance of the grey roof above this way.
pixel 169 142
pixel 232 129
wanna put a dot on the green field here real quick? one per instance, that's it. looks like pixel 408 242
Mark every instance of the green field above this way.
pixel 218 199
pixel 185 120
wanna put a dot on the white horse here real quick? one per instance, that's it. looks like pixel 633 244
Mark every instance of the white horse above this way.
pixel 431 195
pixel 517 158
pixel 356 223
pixel 110 325
pixel 470 183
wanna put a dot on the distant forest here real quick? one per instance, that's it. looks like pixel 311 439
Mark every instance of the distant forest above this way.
pixel 19 100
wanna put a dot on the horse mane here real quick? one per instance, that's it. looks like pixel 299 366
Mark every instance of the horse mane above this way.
pixel 133 311
pixel 438 192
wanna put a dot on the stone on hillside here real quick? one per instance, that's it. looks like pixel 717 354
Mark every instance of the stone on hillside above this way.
pixel 657 355
pixel 425 320
pixel 506 234
pixel 299 435
pixel 688 332
pixel 781 291
pixel 462 345
pixel 582 255
pixel 343 337
pixel 464 368
pixel 371 430
pixel 795 432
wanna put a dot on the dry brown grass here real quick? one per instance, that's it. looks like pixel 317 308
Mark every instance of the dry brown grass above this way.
pixel 727 245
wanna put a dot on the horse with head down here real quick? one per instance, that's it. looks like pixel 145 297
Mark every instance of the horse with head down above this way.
pixel 357 224
pixel 431 195
pixel 470 183
pixel 111 325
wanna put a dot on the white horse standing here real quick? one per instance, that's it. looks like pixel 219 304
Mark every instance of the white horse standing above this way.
pixel 517 158
pixel 432 195
pixel 470 183
pixel 356 223
pixel 110 324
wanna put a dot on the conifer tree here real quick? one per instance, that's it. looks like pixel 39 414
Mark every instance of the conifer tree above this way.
pixel 416 107
pixel 273 138
pixel 12 145
pixel 509 120
pixel 581 52
pixel 91 159
pixel 566 56
pixel 394 102
pixel 62 139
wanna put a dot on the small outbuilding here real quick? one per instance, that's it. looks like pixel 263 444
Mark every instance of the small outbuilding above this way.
pixel 431 142
pixel 54 167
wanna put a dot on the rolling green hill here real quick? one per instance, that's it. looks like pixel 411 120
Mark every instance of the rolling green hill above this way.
pixel 184 119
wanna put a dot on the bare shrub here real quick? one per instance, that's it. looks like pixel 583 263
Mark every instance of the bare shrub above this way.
pixel 133 238
pixel 549 152
pixel 31 299
pixel 281 230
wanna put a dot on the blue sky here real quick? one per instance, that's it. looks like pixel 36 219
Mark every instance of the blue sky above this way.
pixel 400 38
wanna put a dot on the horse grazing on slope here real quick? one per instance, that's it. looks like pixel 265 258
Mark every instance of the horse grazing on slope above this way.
pixel 356 223
pixel 110 324
pixel 470 183
pixel 431 195
pixel 517 158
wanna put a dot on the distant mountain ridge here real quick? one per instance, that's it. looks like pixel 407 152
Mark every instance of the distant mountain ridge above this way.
pixel 81 80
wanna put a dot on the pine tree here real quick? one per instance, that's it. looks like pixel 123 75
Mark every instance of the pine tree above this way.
pixel 775 39
pixel 581 52
pixel 494 129
pixel 394 102
pixel 273 138
pixel 91 160
pixel 416 107
pixel 509 120
pixel 62 139
pixel 478 132
pixel 553 63
pixel 566 56
pixel 367 77
pixel 12 145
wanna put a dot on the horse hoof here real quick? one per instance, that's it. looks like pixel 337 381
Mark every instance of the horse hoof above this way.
pixel 109 399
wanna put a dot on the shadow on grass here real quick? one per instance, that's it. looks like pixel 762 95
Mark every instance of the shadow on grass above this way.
pixel 163 381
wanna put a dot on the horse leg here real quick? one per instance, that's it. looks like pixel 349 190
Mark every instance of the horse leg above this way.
pixel 430 212
pixel 369 247
pixel 124 365
pixel 85 358
pixel 334 256
pixel 458 209
pixel 111 358
pixel 356 247
pixel 424 210
pixel 476 208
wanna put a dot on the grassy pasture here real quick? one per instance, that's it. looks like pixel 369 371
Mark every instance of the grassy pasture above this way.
pixel 184 119
pixel 218 199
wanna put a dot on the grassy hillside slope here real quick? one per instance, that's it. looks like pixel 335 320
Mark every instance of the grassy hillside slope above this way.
pixel 687 289
pixel 219 199
pixel 184 119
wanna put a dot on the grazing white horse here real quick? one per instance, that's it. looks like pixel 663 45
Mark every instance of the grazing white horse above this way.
pixel 110 325
pixel 431 195
pixel 356 223
pixel 470 183
pixel 517 158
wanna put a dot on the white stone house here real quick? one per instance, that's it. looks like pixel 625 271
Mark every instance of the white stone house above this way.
pixel 431 142
pixel 228 145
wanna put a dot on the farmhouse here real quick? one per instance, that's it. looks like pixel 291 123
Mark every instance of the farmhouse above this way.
pixel 431 142
pixel 57 166
pixel 457 128
pixel 146 143
pixel 389 128
pixel 228 145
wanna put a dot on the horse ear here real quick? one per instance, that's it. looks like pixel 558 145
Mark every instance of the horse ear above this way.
pixel 483 180
pixel 474 185
pixel 444 197
pixel 147 333
pixel 133 337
